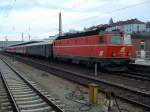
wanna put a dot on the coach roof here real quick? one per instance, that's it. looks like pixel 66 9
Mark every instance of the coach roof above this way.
pixel 40 43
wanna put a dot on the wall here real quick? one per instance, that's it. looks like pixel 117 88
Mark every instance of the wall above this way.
pixel 136 46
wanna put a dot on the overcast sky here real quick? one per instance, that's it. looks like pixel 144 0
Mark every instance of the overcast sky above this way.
pixel 40 17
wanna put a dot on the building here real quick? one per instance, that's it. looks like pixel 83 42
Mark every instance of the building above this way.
pixel 7 43
pixel 148 26
pixel 129 26
pixel 141 42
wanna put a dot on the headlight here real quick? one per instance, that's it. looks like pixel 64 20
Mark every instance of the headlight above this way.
pixel 101 53
pixel 129 54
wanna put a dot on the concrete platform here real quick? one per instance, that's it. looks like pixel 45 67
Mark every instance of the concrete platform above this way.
pixel 142 62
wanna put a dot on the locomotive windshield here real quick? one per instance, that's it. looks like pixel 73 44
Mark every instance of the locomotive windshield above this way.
pixel 116 40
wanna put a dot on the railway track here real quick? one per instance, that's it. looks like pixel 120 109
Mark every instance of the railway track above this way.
pixel 134 75
pixel 139 68
pixel 5 104
pixel 24 94
pixel 124 92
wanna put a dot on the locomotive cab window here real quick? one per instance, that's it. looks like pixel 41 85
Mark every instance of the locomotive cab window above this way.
pixel 116 40
pixel 101 40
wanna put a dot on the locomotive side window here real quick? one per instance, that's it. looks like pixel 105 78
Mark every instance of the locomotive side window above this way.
pixel 101 40
pixel 116 40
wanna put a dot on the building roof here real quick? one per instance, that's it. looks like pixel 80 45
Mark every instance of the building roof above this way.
pixel 131 21
pixel 104 26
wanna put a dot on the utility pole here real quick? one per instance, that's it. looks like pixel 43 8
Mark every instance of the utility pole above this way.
pixel 95 72
pixel 29 34
pixel 22 36
pixel 6 41
pixel 60 25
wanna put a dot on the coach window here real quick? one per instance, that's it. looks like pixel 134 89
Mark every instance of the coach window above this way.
pixel 101 40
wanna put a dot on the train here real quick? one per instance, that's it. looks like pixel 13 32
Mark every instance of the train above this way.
pixel 110 50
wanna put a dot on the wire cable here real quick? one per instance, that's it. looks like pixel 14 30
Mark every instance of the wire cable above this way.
pixel 108 12
pixel 38 18
pixel 74 6
pixel 6 11
pixel 50 18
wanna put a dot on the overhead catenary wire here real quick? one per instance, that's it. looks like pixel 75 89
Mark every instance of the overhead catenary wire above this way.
pixel 108 12
pixel 74 6
pixel 10 9
pixel 40 16
pixel 53 17
pixel 7 11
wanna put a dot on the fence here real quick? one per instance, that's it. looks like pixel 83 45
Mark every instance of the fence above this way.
pixel 143 54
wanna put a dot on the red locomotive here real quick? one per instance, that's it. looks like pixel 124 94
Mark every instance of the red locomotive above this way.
pixel 111 50
pixel 108 49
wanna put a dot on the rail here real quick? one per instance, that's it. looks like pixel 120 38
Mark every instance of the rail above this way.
pixel 123 92
pixel 49 101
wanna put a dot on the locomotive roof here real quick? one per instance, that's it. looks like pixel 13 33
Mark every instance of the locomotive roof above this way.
pixel 78 34
pixel 87 33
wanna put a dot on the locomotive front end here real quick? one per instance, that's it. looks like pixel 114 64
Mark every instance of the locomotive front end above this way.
pixel 118 52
